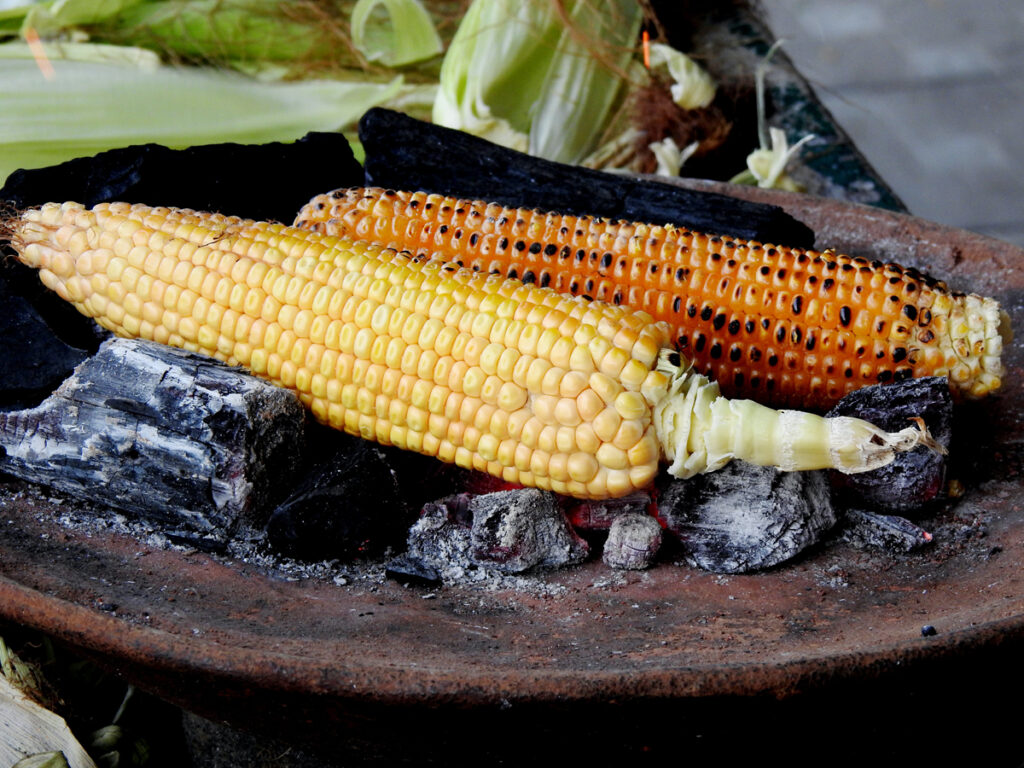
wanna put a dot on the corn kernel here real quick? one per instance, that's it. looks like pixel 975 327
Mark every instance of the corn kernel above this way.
pixel 582 467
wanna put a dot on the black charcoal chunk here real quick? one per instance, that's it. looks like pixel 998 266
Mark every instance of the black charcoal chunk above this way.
pixel 412 571
pixel 600 514
pixel 633 542
pixel 258 181
pixel 745 518
pixel 348 505
pixel 916 478
pixel 35 360
pixel 514 531
pixel 889 533
pixel 163 434
pixel 405 153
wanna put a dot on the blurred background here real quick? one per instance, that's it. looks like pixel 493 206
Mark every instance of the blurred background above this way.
pixel 931 91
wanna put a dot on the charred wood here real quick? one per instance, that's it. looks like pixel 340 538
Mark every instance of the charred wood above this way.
pixel 916 479
pixel 463 536
pixel 35 359
pixel 889 533
pixel 744 518
pixel 357 500
pixel 514 531
pixel 405 153
pixel 162 434
pixel 438 544
pixel 234 179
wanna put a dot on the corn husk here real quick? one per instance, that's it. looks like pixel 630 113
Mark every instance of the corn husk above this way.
pixel 112 96
pixel 31 735
pixel 405 34
pixel 521 75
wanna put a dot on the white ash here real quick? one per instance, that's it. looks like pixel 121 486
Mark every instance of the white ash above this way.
pixel 97 520
pixel 510 533
pixel 889 533
pixel 633 542
pixel 744 518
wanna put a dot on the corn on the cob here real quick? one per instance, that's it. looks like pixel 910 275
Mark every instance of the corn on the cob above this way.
pixel 783 326
pixel 579 397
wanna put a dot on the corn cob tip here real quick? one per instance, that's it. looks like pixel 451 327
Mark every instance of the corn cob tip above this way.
pixel 701 431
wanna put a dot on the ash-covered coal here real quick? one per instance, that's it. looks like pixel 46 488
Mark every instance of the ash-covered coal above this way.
pixel 745 518
pixel 889 533
pixel 162 434
pixel 465 537
pixel 633 542
pixel 514 531
pixel 915 480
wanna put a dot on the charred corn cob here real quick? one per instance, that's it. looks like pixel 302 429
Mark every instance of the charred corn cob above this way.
pixel 542 389
pixel 783 326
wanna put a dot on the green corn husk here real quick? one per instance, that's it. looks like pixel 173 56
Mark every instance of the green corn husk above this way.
pixel 394 32
pixel 520 74
pixel 226 31
pixel 48 19
pixel 101 97
pixel 305 37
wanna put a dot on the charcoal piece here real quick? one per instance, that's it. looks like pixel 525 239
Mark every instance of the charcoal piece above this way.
pixel 166 435
pixel 464 536
pixel 349 504
pixel 514 531
pixel 405 153
pixel 65 323
pixel 259 181
pixel 890 533
pixel 745 518
pixel 915 479
pixel 439 541
pixel 35 359
pixel 633 542
pixel 412 571
pixel 600 514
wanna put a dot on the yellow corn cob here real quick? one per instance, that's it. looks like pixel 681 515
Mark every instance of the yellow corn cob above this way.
pixel 783 326
pixel 558 392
